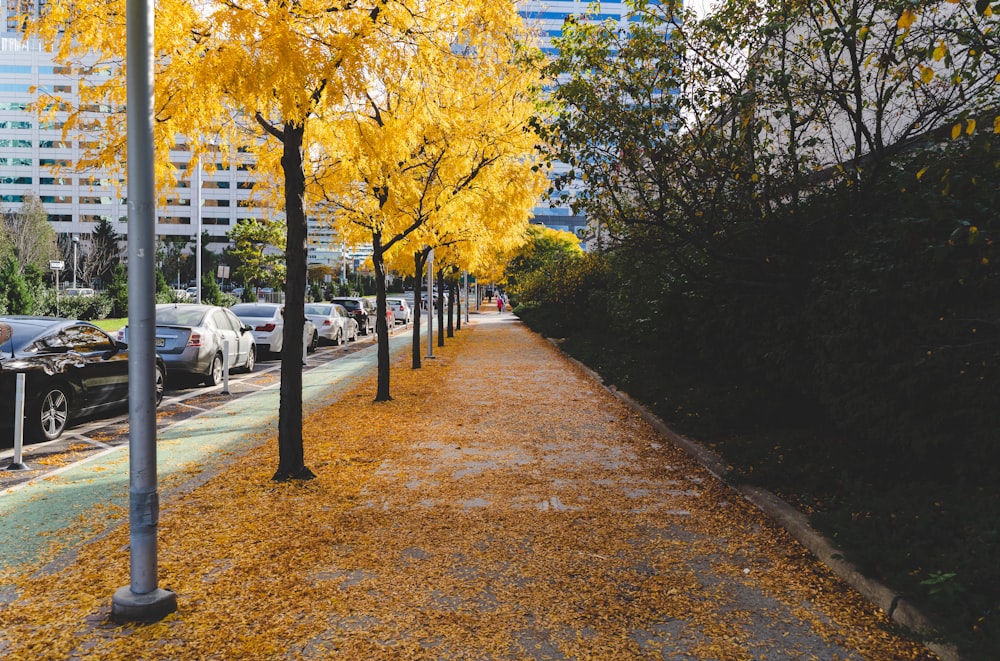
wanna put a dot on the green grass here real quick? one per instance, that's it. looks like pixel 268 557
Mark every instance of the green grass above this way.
pixel 111 325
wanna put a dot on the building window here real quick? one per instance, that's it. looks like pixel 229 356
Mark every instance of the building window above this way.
pixel 16 161
pixel 15 143
pixel 15 180
pixel 55 181
pixel 216 203
pixel 15 125
pixel 60 218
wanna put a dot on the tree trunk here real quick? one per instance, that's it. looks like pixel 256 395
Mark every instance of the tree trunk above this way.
pixel 381 325
pixel 451 308
pixel 419 259
pixel 291 458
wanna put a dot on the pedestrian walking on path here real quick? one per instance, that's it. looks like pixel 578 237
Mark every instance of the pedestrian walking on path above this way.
pixel 500 303
pixel 565 528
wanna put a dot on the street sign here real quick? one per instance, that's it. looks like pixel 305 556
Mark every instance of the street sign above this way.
pixel 57 265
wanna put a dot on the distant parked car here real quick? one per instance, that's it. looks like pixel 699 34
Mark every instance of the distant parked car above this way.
pixel 333 323
pixel 363 311
pixel 79 291
pixel 72 369
pixel 400 309
pixel 268 323
pixel 191 339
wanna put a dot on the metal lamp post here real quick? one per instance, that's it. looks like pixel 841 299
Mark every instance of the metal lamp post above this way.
pixel 76 243
pixel 142 599
pixel 196 202
pixel 430 304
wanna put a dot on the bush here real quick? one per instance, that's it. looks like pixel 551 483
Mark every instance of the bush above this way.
pixel 210 292
pixel 118 291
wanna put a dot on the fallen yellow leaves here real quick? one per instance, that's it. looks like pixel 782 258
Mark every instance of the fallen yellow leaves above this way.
pixel 501 506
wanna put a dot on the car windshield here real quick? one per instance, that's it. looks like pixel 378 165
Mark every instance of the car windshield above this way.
pixel 253 310
pixel 181 316
pixel 318 309
pixel 349 304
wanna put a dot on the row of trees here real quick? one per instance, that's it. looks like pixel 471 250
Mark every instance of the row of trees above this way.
pixel 408 123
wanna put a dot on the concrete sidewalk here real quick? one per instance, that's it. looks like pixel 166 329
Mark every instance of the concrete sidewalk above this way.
pixel 504 505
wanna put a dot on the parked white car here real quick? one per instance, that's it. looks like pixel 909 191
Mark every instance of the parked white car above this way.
pixel 268 323
pixel 401 311
pixel 333 323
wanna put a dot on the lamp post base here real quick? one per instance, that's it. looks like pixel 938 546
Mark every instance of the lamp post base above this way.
pixel 127 606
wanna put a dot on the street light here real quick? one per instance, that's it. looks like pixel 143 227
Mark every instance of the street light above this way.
pixel 196 194
pixel 76 242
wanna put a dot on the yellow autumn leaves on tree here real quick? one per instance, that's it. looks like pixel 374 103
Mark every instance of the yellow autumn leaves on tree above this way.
pixel 395 113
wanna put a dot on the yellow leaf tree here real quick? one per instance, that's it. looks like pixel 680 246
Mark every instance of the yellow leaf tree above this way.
pixel 254 77
pixel 433 142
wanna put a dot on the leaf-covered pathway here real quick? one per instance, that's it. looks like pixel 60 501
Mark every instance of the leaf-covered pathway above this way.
pixel 502 506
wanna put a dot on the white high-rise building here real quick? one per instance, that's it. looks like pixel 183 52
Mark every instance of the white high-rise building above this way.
pixel 546 18
pixel 34 157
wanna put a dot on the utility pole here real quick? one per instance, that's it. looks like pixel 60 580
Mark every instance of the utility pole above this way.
pixel 142 600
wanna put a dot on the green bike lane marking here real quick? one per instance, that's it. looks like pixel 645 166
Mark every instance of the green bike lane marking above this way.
pixel 43 519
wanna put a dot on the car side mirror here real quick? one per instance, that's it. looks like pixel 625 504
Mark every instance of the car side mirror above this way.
pixel 246 328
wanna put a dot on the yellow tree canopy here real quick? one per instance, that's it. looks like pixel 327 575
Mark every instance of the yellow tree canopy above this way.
pixel 438 150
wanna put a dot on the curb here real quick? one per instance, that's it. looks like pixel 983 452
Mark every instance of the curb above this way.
pixel 900 610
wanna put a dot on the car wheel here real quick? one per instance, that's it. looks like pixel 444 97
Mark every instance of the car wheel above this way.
pixel 251 359
pixel 160 384
pixel 313 343
pixel 214 376
pixel 51 413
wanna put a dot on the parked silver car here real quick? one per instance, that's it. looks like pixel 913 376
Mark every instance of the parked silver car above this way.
pixel 333 323
pixel 362 309
pixel 268 323
pixel 191 339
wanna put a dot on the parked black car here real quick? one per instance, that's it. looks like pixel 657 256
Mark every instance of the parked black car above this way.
pixel 362 310
pixel 72 369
